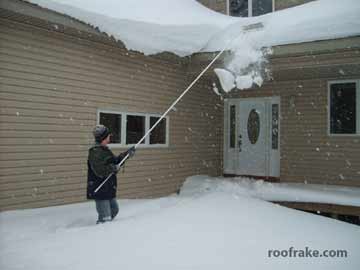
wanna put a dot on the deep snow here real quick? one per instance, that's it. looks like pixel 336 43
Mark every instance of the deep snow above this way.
pixel 210 225
pixel 185 27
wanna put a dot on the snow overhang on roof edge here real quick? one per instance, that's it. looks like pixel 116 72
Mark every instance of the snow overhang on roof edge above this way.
pixel 24 11
pixel 30 9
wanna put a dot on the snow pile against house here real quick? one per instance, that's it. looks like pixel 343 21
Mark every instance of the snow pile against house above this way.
pixel 185 27
pixel 289 192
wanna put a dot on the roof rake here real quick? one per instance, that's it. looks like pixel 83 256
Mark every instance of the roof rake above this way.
pixel 245 29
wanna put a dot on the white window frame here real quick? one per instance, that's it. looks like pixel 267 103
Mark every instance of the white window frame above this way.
pixel 357 82
pixel 147 116
pixel 249 7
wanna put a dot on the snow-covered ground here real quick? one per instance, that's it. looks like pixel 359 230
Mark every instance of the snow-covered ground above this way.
pixel 212 224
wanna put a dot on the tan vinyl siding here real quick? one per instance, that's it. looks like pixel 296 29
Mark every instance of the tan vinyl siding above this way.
pixel 308 153
pixel 36 11
pixel 216 5
pixel 283 4
pixel 51 86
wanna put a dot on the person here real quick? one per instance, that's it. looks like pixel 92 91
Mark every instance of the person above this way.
pixel 102 163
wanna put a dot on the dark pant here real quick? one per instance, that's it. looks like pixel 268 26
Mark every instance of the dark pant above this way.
pixel 107 209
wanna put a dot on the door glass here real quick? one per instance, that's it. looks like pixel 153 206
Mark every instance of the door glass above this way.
pixel 275 126
pixel 253 126
pixel 232 126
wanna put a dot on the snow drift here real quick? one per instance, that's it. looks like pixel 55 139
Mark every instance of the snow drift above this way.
pixel 289 192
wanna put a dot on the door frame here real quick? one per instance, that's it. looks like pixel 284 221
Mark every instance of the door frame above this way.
pixel 230 155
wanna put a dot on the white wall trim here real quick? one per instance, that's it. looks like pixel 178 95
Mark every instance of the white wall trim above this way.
pixel 250 8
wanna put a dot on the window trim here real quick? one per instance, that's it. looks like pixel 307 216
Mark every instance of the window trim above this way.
pixel 249 10
pixel 147 116
pixel 357 83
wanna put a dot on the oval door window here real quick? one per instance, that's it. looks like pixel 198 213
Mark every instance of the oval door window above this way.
pixel 253 126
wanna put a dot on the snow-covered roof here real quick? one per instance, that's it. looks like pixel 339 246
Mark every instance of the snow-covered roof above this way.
pixel 185 26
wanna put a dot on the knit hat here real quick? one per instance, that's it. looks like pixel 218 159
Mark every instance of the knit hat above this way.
pixel 100 133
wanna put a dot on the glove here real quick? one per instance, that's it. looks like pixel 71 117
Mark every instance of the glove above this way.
pixel 131 151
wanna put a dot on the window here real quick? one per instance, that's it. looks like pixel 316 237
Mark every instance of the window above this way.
pixel 130 128
pixel 239 8
pixel 113 122
pixel 158 134
pixel 135 129
pixel 249 8
pixel 344 107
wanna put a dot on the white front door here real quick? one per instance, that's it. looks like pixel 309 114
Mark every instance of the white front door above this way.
pixel 252 131
pixel 251 137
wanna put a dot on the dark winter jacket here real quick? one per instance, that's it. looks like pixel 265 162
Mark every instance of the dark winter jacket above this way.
pixel 101 163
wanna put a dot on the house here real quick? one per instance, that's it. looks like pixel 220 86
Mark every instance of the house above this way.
pixel 60 77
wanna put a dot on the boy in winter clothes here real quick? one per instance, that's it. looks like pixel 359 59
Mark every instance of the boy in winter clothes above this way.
pixel 101 163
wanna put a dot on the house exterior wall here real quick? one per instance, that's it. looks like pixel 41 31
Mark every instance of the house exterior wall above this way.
pixel 36 11
pixel 282 4
pixel 300 79
pixel 51 85
pixel 216 5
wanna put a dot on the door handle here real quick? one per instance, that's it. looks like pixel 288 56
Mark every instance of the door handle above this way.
pixel 240 143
